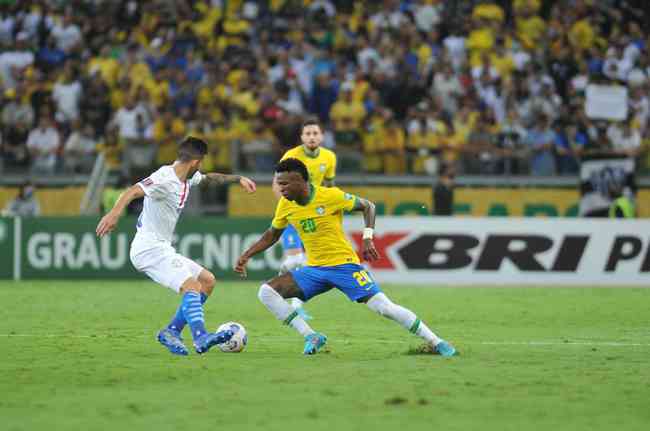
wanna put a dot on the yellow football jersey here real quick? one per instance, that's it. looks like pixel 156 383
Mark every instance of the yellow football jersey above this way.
pixel 319 225
pixel 322 167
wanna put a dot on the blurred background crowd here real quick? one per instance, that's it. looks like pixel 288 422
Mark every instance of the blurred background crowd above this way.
pixel 489 87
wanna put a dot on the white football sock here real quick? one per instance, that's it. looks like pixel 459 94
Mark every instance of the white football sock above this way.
pixel 405 317
pixel 296 303
pixel 281 309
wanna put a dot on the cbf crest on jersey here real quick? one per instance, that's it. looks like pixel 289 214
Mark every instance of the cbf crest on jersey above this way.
pixel 320 210
pixel 323 167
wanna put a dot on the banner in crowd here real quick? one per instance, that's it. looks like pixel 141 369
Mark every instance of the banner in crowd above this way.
pixel 414 250
pixel 606 102
pixel 598 176
pixel 514 251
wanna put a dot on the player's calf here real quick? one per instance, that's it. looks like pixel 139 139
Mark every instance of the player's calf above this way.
pixel 275 302
pixel 192 309
pixel 380 304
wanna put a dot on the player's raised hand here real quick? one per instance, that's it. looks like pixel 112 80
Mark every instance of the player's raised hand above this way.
pixel 240 267
pixel 107 224
pixel 369 251
pixel 248 184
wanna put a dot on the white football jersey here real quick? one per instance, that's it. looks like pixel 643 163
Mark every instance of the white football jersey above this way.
pixel 165 198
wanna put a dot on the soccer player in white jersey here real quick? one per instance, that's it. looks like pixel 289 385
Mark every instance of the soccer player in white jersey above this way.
pixel 165 195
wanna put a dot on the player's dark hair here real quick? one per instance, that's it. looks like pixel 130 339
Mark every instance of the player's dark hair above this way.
pixel 192 148
pixel 310 122
pixel 293 165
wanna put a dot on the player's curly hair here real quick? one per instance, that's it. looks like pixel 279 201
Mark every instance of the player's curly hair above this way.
pixel 293 165
pixel 192 148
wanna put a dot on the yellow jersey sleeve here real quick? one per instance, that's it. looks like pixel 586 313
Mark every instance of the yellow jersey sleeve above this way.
pixel 330 173
pixel 280 218
pixel 339 200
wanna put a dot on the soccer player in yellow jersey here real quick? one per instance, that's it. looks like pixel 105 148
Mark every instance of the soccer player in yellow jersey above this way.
pixel 320 162
pixel 317 213
pixel 321 165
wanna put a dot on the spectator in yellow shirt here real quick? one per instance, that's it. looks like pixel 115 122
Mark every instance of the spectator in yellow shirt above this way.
pixel 346 112
pixel 481 38
pixel 111 148
pixel 372 138
pixel 168 129
pixel 488 10
pixel 158 88
pixel 106 65
pixel 530 27
pixel 133 67
pixel 582 34
pixel 533 5
pixel 394 148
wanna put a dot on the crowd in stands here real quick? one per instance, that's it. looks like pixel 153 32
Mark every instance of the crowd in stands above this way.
pixel 491 87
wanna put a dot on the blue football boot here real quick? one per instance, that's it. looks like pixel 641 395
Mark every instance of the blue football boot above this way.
pixel 443 348
pixel 313 343
pixel 206 341
pixel 172 341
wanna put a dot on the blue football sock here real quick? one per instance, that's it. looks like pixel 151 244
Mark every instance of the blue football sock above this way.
pixel 193 312
pixel 178 321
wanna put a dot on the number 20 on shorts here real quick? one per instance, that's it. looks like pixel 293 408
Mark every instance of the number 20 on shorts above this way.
pixel 362 278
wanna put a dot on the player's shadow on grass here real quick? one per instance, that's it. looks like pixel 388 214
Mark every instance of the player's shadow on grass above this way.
pixel 423 349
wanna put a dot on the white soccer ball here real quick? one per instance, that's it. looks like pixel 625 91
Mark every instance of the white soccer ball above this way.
pixel 238 340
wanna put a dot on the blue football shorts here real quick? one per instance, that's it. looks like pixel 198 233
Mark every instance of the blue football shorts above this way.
pixel 351 279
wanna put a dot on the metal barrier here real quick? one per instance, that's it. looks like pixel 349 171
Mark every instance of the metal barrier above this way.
pixel 92 197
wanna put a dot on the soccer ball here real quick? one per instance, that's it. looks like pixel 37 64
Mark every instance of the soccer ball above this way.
pixel 238 340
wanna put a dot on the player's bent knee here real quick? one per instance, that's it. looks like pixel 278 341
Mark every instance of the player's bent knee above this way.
pixel 380 304
pixel 285 286
pixel 265 292
pixel 191 285
pixel 207 280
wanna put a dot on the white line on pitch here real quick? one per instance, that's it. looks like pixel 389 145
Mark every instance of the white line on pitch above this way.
pixel 346 340
pixel 559 343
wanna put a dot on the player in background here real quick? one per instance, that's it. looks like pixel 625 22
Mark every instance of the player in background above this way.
pixel 331 261
pixel 321 165
pixel 165 195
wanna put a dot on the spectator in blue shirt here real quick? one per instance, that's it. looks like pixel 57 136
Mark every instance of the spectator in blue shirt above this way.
pixel 541 141
pixel 565 157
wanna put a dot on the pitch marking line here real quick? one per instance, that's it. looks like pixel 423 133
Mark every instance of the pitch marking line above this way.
pixel 559 343
pixel 271 338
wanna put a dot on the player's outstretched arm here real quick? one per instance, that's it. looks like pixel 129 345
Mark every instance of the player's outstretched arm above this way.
pixel 369 251
pixel 246 183
pixel 109 221
pixel 270 237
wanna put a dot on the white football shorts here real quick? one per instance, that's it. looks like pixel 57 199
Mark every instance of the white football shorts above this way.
pixel 164 265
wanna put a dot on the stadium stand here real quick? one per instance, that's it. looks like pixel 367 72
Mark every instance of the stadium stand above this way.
pixel 490 87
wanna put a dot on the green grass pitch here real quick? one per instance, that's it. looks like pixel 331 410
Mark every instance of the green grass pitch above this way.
pixel 82 356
